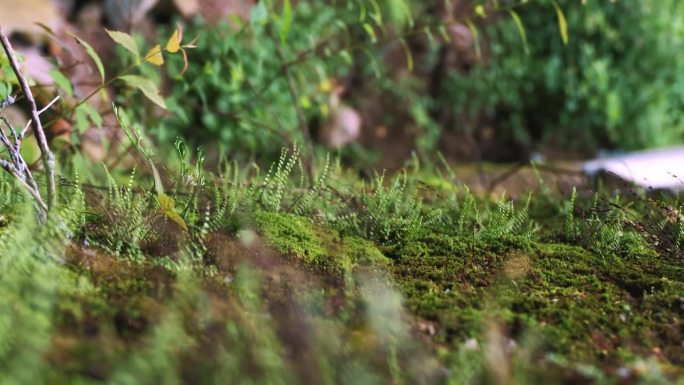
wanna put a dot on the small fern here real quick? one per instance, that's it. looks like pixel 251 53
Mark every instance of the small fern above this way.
pixel 506 221
pixel 270 194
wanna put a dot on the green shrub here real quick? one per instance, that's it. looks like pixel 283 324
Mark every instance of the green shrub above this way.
pixel 619 83
pixel 235 91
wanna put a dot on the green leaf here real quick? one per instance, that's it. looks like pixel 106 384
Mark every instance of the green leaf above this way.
pixel 562 23
pixel 91 113
pixel 374 63
pixel 409 55
pixel 341 25
pixel 371 32
pixel 30 150
pixel 286 21
pixel 81 120
pixel 259 15
pixel 521 28
pixel 304 102
pixel 376 15
pixel 476 38
pixel 480 11
pixel 443 32
pixel 125 40
pixel 400 12
pixel 93 55
pixel 167 207
pixel 62 82
pixel 346 57
pixel 148 88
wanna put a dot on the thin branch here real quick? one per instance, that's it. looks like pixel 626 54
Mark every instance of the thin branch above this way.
pixel 5 140
pixel 7 166
pixel 28 124
pixel 46 155
pixel 15 153
pixel 49 105
pixel 13 132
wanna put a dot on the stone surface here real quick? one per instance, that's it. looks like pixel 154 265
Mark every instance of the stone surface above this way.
pixel 25 14
pixel 658 169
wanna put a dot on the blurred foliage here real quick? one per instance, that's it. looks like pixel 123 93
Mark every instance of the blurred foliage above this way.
pixel 236 91
pixel 619 82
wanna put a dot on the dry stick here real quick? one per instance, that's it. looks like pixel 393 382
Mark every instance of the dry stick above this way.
pixel 46 155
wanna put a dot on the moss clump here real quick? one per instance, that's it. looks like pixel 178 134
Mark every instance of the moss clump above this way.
pixel 291 235
pixel 579 306
pixel 448 282
pixel 363 252
pixel 317 246
pixel 591 310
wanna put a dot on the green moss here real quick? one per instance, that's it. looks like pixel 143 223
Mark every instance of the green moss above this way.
pixel 589 310
pixel 291 235
pixel 315 245
pixel 448 282
pixel 564 295
pixel 363 252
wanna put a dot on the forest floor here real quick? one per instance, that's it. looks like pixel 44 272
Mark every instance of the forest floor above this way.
pixel 449 287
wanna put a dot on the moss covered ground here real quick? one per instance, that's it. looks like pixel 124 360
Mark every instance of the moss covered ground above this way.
pixel 369 284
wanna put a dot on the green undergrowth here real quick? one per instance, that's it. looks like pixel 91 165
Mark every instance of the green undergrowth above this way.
pixel 236 277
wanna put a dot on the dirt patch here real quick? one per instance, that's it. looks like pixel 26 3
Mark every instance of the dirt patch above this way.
pixel 517 265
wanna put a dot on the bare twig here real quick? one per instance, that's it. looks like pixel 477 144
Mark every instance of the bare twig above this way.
pixel 28 124
pixel 46 155
pixel 49 105
pixel 15 153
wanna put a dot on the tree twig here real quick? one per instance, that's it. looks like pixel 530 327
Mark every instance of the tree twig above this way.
pixel 18 161
pixel 28 124
pixel 46 155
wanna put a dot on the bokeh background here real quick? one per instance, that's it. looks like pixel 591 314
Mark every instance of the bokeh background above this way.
pixel 460 79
